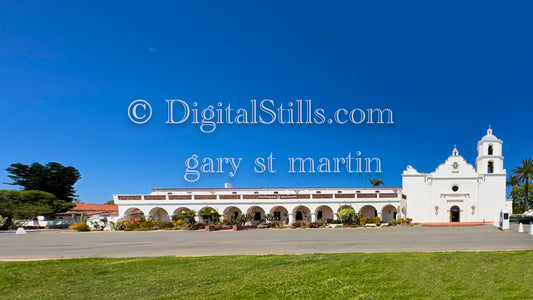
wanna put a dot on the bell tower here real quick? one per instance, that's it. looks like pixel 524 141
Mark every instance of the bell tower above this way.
pixel 489 158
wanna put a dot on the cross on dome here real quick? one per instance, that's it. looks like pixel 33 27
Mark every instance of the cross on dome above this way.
pixel 489 131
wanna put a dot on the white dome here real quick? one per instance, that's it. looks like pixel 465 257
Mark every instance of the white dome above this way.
pixel 489 136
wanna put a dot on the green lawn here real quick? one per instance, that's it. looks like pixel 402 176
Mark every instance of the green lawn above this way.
pixel 455 275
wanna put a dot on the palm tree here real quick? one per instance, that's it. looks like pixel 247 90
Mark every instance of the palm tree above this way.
pixel 524 173
pixel 375 181
pixel 512 181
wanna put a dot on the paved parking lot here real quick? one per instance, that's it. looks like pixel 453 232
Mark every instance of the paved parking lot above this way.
pixel 68 244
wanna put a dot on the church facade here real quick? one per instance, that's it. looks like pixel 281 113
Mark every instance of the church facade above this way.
pixel 455 192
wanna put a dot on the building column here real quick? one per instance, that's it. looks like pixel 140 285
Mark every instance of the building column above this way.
pixel 291 219
pixel 313 217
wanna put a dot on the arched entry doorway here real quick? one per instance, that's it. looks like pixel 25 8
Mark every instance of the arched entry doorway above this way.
pixel 159 214
pixel 455 214
pixel 369 211
pixel 232 212
pixel 324 212
pixel 280 213
pixel 388 213
pixel 133 214
pixel 302 213
pixel 258 213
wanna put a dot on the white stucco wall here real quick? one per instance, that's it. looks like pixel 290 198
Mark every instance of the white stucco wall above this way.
pixel 480 195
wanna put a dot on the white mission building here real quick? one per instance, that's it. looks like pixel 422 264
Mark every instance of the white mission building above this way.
pixel 454 192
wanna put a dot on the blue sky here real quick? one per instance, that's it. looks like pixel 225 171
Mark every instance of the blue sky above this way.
pixel 69 71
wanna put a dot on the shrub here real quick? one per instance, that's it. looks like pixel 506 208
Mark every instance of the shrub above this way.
pixel 349 216
pixel 186 216
pixel 263 225
pixel 147 225
pixel 271 218
pixel 393 222
pixel 178 223
pixel 226 222
pixel 376 220
pixel 316 224
pixel 400 220
pixel 365 220
pixel 408 220
pixel 208 213
pixel 277 224
pixel 242 219
pixel 129 225
pixel 336 222
pixel 162 225
pixel 82 226
pixel 299 224
pixel 194 226
pixel 338 226
pixel 116 226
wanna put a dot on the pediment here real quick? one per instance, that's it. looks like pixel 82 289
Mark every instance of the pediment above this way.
pixel 455 165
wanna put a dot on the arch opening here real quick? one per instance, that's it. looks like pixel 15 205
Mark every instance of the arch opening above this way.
pixel 388 213
pixel 455 214
pixel 232 212
pixel 369 211
pixel 159 214
pixel 280 213
pixel 133 214
pixel 302 213
pixel 324 212
pixel 258 213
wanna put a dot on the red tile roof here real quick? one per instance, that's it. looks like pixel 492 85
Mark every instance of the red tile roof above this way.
pixel 92 209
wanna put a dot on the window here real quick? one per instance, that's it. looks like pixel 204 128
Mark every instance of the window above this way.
pixel 490 168
pixel 490 149
pixel 455 188
pixel 455 165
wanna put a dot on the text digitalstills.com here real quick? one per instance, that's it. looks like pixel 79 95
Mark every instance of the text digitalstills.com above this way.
pixel 264 112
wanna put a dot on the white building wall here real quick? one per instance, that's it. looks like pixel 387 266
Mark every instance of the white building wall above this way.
pixel 480 194
pixel 424 197
pixel 274 198
pixel 418 193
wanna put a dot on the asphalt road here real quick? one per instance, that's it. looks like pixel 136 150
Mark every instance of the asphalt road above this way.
pixel 69 244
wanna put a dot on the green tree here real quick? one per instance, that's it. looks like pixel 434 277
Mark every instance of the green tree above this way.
pixel 349 216
pixel 524 173
pixel 185 216
pixel 512 181
pixel 375 181
pixel 209 213
pixel 23 205
pixel 53 178
pixel 518 196
pixel 110 202
pixel 242 219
